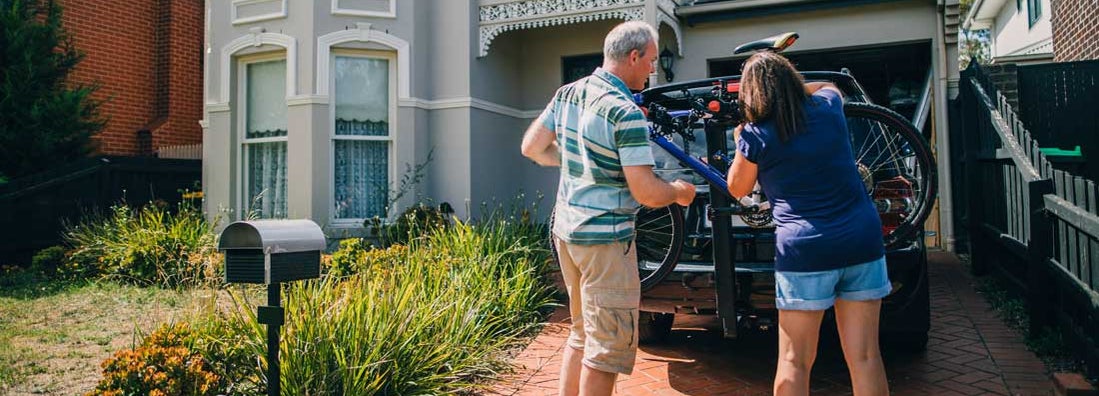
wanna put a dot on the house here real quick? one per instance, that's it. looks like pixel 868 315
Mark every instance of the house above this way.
pixel 317 109
pixel 146 57
pixel 1020 30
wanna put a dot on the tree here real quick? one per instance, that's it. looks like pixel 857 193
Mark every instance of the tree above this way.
pixel 972 45
pixel 44 119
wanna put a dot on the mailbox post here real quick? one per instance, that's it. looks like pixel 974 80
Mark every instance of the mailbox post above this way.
pixel 271 252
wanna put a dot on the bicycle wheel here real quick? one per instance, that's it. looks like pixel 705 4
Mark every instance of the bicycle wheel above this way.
pixel 658 242
pixel 897 168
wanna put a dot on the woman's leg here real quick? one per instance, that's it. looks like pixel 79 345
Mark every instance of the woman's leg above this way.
pixel 798 332
pixel 857 322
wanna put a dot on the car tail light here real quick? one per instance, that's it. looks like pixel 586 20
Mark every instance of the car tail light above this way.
pixel 893 199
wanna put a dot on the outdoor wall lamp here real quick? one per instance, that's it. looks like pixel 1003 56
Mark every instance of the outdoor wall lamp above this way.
pixel 667 60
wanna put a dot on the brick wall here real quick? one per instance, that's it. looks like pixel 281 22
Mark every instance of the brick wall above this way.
pixel 1006 79
pixel 1075 30
pixel 146 57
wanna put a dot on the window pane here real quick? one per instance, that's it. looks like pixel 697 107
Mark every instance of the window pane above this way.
pixel 362 96
pixel 362 178
pixel 266 170
pixel 266 99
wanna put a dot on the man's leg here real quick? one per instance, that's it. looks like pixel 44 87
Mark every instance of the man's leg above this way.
pixel 595 382
pixel 611 295
pixel 569 383
pixel 569 380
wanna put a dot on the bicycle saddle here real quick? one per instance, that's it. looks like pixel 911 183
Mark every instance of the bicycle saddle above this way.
pixel 775 43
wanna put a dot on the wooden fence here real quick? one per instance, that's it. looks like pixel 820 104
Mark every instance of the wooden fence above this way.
pixel 1058 102
pixel 33 209
pixel 1034 225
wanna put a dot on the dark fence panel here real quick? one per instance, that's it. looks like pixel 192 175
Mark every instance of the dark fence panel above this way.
pixel 1058 102
pixel 1029 223
pixel 34 209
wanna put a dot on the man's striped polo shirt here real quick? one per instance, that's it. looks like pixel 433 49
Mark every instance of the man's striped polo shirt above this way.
pixel 599 130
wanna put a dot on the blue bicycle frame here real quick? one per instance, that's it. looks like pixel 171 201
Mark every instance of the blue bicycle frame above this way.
pixel 707 171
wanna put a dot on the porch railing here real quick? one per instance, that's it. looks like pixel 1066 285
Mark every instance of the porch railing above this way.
pixel 1036 226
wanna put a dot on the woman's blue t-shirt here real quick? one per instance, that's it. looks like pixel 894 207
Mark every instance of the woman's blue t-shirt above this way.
pixel 823 214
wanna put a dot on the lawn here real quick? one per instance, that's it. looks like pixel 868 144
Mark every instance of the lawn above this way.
pixel 53 335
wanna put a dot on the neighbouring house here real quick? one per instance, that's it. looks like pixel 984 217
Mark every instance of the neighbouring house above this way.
pixel 318 109
pixel 1020 30
pixel 146 56
pixel 1075 30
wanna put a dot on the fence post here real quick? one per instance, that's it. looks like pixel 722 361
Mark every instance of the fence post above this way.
pixel 971 129
pixel 1039 251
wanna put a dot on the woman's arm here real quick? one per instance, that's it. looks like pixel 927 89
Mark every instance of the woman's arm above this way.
pixel 742 173
pixel 813 87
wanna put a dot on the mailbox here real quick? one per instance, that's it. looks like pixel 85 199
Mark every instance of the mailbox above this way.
pixel 272 251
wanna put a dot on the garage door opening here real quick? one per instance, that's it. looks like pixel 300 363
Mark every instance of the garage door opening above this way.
pixel 895 76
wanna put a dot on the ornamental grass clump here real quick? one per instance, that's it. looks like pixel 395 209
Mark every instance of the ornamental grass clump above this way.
pixel 150 246
pixel 432 316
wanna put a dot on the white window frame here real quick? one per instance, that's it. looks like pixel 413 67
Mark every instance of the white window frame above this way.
pixel 391 57
pixel 242 127
pixel 257 18
pixel 391 13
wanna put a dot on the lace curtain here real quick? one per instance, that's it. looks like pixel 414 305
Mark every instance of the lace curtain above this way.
pixel 266 118
pixel 362 131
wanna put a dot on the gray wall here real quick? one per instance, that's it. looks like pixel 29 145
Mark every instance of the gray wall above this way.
pixel 840 27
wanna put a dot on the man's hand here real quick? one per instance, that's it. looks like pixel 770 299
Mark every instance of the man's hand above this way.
pixel 684 192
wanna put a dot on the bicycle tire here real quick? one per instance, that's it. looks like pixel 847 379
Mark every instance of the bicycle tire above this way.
pixel 652 224
pixel 650 235
pixel 921 173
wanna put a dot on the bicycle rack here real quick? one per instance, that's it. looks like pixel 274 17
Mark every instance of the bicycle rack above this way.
pixel 720 216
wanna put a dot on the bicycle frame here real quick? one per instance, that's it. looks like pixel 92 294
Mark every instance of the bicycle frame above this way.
pixel 707 171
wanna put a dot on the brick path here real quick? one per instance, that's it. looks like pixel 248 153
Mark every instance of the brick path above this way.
pixel 971 352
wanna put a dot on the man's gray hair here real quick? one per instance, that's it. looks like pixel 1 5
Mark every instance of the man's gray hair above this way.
pixel 626 37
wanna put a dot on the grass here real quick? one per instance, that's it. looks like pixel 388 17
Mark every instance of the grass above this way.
pixel 1048 344
pixel 54 335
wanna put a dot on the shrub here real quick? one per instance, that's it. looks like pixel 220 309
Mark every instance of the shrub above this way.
pixel 163 365
pixel 415 222
pixel 431 317
pixel 355 255
pixel 150 245
pixel 47 261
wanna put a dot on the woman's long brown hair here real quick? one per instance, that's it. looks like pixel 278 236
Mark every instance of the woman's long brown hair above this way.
pixel 771 88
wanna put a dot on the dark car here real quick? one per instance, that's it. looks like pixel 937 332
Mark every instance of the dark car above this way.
pixel 690 287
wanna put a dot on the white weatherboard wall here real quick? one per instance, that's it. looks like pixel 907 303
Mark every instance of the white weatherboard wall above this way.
pixel 1012 32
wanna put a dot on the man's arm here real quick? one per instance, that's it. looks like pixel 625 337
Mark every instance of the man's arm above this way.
pixel 650 191
pixel 540 145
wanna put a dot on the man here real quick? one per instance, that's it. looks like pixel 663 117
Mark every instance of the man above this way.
pixel 594 131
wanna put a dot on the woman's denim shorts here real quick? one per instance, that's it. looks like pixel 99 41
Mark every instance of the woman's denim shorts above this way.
pixel 815 291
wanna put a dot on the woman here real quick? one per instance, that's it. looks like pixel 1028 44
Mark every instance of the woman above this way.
pixel 829 245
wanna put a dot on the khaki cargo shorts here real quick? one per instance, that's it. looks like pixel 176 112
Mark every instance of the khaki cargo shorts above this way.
pixel 604 295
